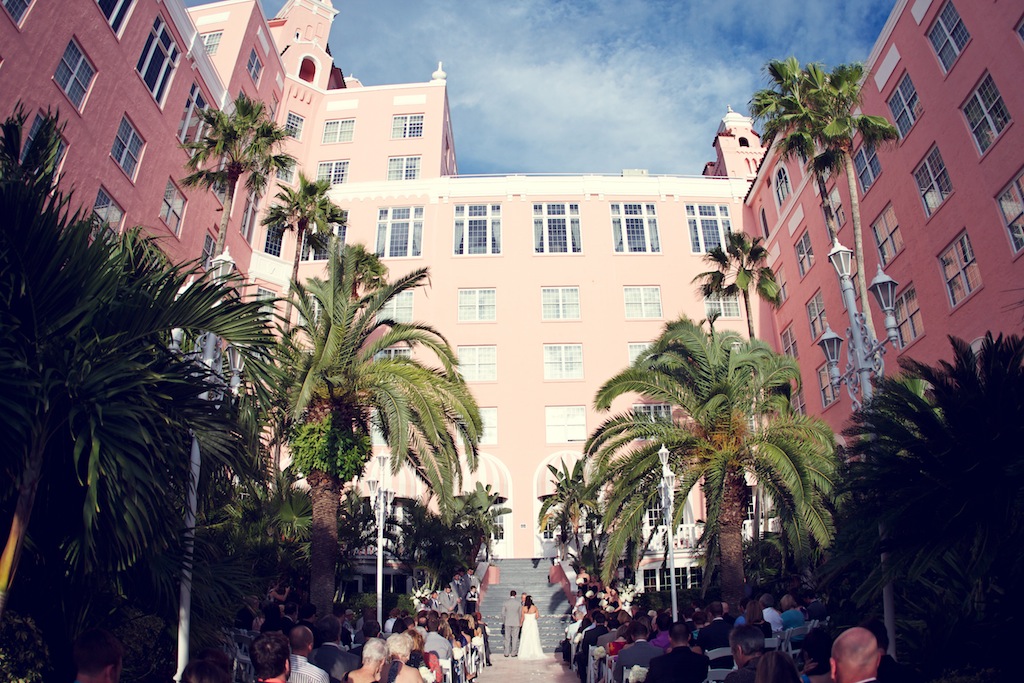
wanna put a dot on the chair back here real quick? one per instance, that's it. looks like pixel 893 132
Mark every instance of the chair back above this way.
pixel 446 667
pixel 720 653
pixel 794 633
pixel 771 643
pixel 718 674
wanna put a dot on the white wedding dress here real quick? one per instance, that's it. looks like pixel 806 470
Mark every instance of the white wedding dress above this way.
pixel 529 639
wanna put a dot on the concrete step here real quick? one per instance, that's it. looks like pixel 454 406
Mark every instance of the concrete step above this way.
pixel 530 577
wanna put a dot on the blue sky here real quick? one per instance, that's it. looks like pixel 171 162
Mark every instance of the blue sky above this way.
pixel 592 85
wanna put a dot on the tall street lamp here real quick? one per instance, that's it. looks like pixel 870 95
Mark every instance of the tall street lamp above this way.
pixel 864 363
pixel 382 499
pixel 667 488
pixel 209 352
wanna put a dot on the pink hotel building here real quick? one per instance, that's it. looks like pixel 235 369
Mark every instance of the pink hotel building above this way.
pixel 546 285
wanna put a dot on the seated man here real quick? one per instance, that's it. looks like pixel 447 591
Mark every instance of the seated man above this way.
pixel 269 654
pixel 329 656
pixel 97 656
pixel 640 653
pixel 301 641
pixel 716 635
pixel 681 665
pixel 855 656
pixel 747 643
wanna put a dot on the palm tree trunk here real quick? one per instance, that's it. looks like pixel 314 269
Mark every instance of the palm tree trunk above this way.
pixel 826 208
pixel 300 232
pixel 730 538
pixel 750 319
pixel 323 547
pixel 229 199
pixel 27 488
pixel 858 242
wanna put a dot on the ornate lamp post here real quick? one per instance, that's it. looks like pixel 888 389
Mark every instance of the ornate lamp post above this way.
pixel 209 352
pixel 864 363
pixel 667 488
pixel 382 499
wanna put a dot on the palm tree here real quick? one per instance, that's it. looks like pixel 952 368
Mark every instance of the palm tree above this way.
pixel 735 419
pixel 99 409
pixel 817 115
pixel 310 212
pixel 739 266
pixel 479 513
pixel 244 142
pixel 342 382
pixel 569 506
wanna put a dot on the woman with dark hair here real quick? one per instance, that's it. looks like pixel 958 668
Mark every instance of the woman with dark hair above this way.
pixel 776 667
pixel 204 671
pixel 814 657
pixel 755 617
pixel 529 636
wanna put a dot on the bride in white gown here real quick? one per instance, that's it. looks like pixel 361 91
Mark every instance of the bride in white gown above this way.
pixel 529 637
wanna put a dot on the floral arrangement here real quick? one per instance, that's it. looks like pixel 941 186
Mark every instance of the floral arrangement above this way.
pixel 637 674
pixel 598 652
pixel 580 581
pixel 628 593
pixel 427 675
pixel 422 594
pixel 578 638
pixel 458 653
pixel 478 641
pixel 590 594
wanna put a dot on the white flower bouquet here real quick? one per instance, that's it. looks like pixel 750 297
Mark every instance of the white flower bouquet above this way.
pixel 422 594
pixel 590 594
pixel 637 674
pixel 427 675
pixel 580 581
pixel 458 653
pixel 578 638
pixel 478 641
pixel 598 652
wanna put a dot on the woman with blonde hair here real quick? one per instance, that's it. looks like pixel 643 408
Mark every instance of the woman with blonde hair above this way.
pixel 395 671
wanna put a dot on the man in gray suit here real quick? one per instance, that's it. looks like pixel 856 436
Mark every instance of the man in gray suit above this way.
pixel 447 602
pixel 511 612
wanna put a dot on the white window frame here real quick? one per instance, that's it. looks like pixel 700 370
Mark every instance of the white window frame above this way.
pixel 905 105
pixel 782 185
pixel 211 41
pixel 209 244
pixel 797 401
pixel 933 182
pixel 274 240
pixel 478 363
pixel 709 226
pixel 489 422
pixel 191 127
pixel 254 66
pixel 565 424
pixel 888 238
pixel 172 207
pixel 267 295
pixel 478 305
pixel 473 221
pixel 17 9
pixel 115 11
pixel 158 60
pixel 780 280
pixel 909 324
pixel 33 131
pixel 724 305
pixel 965 277
pixel 948 36
pixel 248 226
pixel 563 362
pixel 285 174
pixel 74 73
pixel 107 210
pixel 393 352
pixel 128 147
pixel 404 168
pixel 556 228
pixel 560 303
pixel 817 319
pixel 825 388
pixel 321 252
pixel 390 222
pixel 1011 208
pixel 642 303
pixel 293 124
pixel 655 412
pixel 633 219
pixel 338 130
pixel 835 202
pixel 634 349
pixel 865 160
pixel 788 342
pixel 399 308
pixel 407 126
pixel 804 253
pixel 986 114
pixel 335 171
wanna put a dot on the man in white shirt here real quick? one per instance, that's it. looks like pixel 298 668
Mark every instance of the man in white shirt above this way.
pixel 771 615
pixel 301 639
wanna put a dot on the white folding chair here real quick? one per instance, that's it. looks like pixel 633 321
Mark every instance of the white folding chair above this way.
pixel 799 632
pixel 771 643
pixel 719 653
pixel 718 674
pixel 446 667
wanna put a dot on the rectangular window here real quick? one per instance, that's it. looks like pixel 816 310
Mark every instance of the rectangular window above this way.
pixel 403 168
pixel 400 232
pixel 780 279
pixel 158 59
pixel 211 41
pixel 655 412
pixel 642 302
pixel 816 315
pixel 634 349
pixel 797 402
pixel 477 305
pixel 948 35
pixel 407 126
pixel 33 131
pixel 722 305
pixel 560 303
pixel 635 228
pixel 115 11
pixel 960 269
pixel 986 113
pixel 478 363
pixel 334 171
pixel 293 125
pixel 399 308
pixel 392 352
pixel 908 316
pixel 267 295
pixel 107 211
pixel 564 424
pixel 16 8
pixel 173 207
pixel 556 229
pixel 489 418
pixel 868 168
pixel 340 130
pixel 835 202
pixel 316 247
pixel 708 224
pixel 789 343
pixel 209 244
pixel 286 174
pixel 254 66
pixel 249 216
pixel 74 74
pixel 191 127
pixel 272 245
pixel 127 147
pixel 904 105
pixel 825 388
pixel 477 229
pixel 1011 205
pixel 887 235
pixel 933 181
pixel 804 253
pixel 563 361
pixel 650 580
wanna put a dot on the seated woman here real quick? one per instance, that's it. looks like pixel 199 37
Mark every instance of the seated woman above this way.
pixel 396 669
pixel 419 657
pixel 621 641
pixel 375 653
pixel 792 617
pixel 755 617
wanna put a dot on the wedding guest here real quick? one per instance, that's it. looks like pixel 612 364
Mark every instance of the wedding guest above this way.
pixel 269 655
pixel 855 656
pixel 395 670
pixel 814 657
pixel 776 667
pixel 747 644
pixel 98 657
pixel 681 664
pixel 375 652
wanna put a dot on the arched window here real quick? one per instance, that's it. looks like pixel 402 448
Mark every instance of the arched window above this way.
pixel 764 224
pixel 307 72
pixel 744 142
pixel 782 188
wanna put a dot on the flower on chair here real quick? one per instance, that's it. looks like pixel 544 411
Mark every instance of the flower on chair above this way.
pixel 598 652
pixel 427 675
pixel 637 674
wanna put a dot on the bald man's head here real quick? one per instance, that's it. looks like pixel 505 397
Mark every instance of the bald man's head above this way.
pixel 855 656
pixel 301 640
